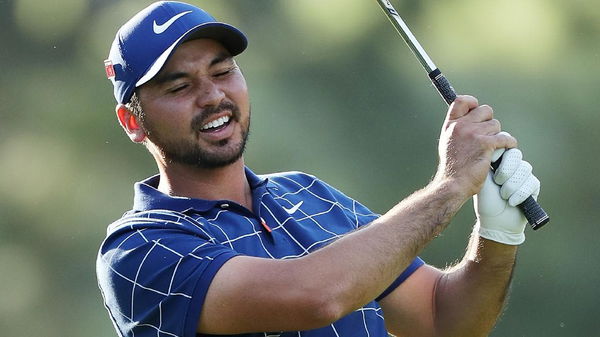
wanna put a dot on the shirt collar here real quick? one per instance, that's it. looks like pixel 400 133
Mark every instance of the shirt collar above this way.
pixel 148 197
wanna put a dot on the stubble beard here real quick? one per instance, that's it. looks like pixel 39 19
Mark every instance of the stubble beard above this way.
pixel 192 154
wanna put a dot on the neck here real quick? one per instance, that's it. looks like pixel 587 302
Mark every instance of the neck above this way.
pixel 225 183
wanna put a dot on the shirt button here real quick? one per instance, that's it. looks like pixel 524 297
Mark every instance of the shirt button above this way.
pixel 224 206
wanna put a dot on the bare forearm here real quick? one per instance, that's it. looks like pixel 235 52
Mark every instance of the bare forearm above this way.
pixel 374 256
pixel 470 296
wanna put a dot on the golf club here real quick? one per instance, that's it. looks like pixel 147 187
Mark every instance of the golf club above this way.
pixel 535 214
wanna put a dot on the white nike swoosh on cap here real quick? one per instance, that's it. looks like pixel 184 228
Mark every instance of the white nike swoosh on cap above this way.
pixel 294 208
pixel 159 29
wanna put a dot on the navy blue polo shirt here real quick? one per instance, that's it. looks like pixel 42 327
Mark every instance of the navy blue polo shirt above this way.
pixel 157 262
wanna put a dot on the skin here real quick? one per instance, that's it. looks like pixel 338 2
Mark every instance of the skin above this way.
pixel 182 91
pixel 464 300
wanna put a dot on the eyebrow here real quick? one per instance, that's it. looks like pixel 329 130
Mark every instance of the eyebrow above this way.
pixel 169 77
pixel 221 57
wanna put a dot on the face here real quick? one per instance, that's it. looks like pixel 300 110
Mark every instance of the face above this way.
pixel 196 109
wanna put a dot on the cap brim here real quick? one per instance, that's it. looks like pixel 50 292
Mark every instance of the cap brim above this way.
pixel 231 38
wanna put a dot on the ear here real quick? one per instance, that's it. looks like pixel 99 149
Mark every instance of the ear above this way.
pixel 130 124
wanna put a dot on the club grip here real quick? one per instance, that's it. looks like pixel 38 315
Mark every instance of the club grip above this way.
pixel 534 213
pixel 443 86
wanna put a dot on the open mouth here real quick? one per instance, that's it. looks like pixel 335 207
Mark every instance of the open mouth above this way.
pixel 216 124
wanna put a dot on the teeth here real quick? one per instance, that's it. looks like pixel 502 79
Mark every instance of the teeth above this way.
pixel 216 123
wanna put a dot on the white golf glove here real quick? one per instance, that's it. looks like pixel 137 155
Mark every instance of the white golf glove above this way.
pixel 498 218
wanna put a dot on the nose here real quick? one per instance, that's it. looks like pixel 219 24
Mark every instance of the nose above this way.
pixel 210 93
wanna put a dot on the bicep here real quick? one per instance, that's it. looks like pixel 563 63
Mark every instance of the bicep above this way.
pixel 409 309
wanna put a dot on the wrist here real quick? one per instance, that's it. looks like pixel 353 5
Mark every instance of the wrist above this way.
pixel 452 187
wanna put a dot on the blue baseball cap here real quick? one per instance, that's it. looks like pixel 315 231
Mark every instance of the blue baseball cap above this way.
pixel 145 42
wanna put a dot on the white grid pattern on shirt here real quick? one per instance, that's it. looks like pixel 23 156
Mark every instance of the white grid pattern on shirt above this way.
pixel 307 188
pixel 149 216
pixel 311 217
pixel 140 219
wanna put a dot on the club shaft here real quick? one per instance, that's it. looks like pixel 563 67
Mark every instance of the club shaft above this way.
pixel 440 82
pixel 535 214
pixel 407 35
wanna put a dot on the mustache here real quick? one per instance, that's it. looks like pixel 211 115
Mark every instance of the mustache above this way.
pixel 199 120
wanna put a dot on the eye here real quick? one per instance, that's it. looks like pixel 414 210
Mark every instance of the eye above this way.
pixel 224 72
pixel 177 88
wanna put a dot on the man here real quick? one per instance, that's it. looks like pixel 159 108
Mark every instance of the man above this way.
pixel 211 248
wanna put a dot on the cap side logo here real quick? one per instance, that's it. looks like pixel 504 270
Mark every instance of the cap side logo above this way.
pixel 109 68
pixel 159 29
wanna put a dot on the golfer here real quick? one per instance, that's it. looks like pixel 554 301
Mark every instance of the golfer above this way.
pixel 211 248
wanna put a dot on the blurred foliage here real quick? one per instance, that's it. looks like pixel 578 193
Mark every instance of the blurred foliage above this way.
pixel 335 93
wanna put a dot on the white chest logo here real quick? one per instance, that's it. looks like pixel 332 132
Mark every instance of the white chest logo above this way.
pixel 294 208
pixel 159 29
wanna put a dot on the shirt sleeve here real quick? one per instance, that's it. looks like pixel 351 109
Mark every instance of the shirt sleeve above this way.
pixel 154 276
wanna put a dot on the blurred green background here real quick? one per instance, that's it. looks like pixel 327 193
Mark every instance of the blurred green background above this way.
pixel 335 93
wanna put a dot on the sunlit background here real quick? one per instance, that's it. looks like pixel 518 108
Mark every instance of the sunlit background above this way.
pixel 335 93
